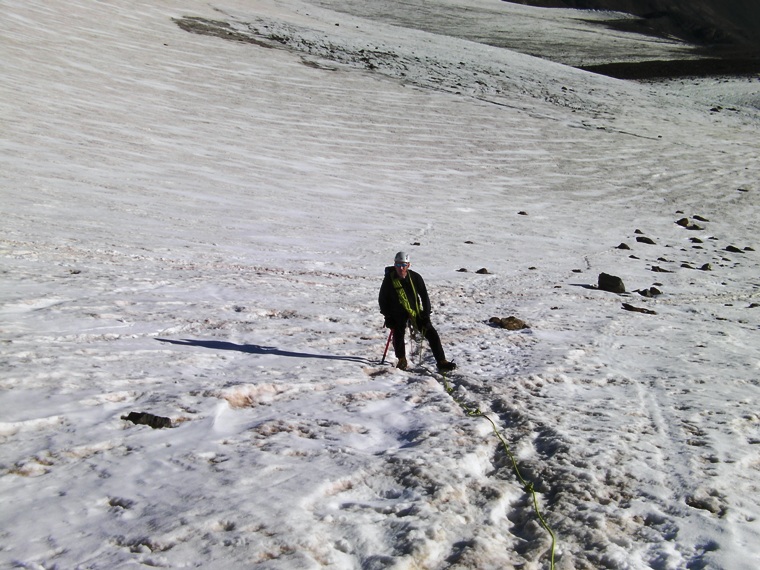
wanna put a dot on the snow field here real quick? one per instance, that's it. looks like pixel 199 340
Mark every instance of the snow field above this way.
pixel 197 228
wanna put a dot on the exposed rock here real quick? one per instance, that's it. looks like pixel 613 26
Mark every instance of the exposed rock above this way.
pixel 628 307
pixel 462 270
pixel 483 271
pixel 624 246
pixel 610 283
pixel 509 323
pixel 219 29
pixel 643 239
pixel 684 222
pixel 144 418
pixel 658 269
pixel 651 292
pixel 734 249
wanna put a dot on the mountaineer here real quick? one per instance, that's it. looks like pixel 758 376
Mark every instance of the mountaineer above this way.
pixel 404 299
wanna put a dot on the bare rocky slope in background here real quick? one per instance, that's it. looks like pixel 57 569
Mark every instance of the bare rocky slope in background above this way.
pixel 725 32
pixel 727 23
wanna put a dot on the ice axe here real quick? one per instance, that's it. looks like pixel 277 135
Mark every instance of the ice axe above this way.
pixel 387 344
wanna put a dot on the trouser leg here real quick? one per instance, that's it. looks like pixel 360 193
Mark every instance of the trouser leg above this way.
pixel 435 343
pixel 399 342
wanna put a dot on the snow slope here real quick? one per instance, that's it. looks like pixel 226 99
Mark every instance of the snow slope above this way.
pixel 195 226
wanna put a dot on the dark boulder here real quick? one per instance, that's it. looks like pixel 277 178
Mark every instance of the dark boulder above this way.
pixel 610 283
pixel 631 308
pixel 651 292
pixel 509 323
pixel 144 418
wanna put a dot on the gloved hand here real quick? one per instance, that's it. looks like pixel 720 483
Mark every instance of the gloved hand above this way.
pixel 389 324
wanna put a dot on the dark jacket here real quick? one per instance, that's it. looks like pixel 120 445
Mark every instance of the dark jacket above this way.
pixel 391 307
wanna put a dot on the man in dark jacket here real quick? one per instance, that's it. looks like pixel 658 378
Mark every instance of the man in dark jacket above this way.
pixel 403 298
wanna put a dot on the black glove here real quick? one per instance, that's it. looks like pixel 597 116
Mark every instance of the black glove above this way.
pixel 389 324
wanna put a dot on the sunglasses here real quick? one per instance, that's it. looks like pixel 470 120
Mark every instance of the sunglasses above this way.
pixel 402 265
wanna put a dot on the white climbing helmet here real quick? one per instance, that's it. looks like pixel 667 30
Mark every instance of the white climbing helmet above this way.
pixel 402 257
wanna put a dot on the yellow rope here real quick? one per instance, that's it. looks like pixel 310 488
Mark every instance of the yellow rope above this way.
pixel 527 485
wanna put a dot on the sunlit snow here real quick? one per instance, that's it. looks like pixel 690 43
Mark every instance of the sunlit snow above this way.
pixel 198 201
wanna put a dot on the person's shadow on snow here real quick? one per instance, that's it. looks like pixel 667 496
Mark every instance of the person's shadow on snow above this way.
pixel 258 349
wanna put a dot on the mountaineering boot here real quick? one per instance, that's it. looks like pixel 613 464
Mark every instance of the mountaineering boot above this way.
pixel 401 364
pixel 446 366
